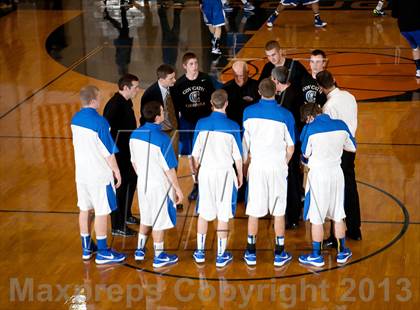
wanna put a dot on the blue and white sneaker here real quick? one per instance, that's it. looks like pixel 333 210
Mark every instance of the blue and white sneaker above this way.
pixel 250 258
pixel 139 254
pixel 109 256
pixel 164 259
pixel 248 7
pixel 87 253
pixel 271 20
pixel 319 23
pixel 344 256
pixel 227 7
pixel 224 259
pixel 309 259
pixel 199 256
pixel 281 259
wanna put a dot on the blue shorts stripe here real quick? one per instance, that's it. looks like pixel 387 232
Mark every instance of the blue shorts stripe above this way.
pixel 112 198
pixel 171 210
pixel 306 205
pixel 234 199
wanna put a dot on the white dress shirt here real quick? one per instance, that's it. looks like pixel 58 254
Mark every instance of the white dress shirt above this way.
pixel 342 105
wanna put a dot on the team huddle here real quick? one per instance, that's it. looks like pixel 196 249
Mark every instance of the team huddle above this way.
pixel 253 134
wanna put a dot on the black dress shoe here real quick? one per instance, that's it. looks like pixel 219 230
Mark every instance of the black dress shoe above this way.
pixel 127 232
pixel 132 220
pixel 194 193
pixel 354 235
pixel 329 243
pixel 179 206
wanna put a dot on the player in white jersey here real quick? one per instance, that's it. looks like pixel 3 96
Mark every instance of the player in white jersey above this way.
pixel 96 167
pixel 217 145
pixel 269 138
pixel 154 160
pixel 323 141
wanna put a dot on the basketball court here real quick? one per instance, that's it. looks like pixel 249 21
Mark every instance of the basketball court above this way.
pixel 50 49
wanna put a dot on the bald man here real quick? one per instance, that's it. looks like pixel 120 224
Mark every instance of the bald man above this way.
pixel 242 91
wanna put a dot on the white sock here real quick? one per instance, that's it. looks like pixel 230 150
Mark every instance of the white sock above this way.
pixel 224 2
pixel 221 246
pixel 141 242
pixel 158 248
pixel 252 239
pixel 379 5
pixel 201 241
pixel 279 240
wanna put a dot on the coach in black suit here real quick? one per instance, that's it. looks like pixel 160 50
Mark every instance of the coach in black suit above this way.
pixel 160 92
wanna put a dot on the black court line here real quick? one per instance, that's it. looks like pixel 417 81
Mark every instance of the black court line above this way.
pixel 74 65
pixel 352 262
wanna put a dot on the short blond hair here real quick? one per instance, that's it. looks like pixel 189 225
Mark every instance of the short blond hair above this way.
pixel 88 93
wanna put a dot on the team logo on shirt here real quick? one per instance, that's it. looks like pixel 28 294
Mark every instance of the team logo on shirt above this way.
pixel 310 96
pixel 194 96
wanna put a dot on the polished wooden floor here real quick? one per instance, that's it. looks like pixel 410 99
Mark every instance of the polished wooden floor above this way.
pixel 41 266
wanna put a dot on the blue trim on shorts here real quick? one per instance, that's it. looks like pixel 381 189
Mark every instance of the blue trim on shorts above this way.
pixel 413 38
pixel 213 12
pixel 112 198
pixel 234 199
pixel 306 205
pixel 171 210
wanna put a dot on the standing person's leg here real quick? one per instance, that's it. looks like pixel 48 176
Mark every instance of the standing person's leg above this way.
pixel 378 11
pixel 223 257
pixel 140 252
pixel 317 201
pixel 186 136
pixel 279 189
pixel 250 255
pixel 199 253
pixel 315 258
pixel 119 216
pixel 317 19
pixel 343 253
pixel 85 224
pixel 161 258
pixel 277 11
pixel 131 189
pixel 105 255
pixel 281 257
pixel 413 38
pixel 217 34
pixel 294 203
pixel 351 196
